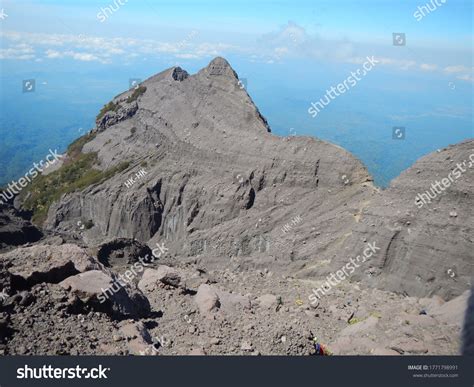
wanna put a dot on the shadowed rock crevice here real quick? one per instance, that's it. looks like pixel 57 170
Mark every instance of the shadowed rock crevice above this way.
pixel 53 276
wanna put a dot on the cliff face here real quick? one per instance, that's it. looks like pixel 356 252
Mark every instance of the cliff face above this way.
pixel 211 182
pixel 425 239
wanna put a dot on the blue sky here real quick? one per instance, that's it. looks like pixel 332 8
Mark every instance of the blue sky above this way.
pixel 263 30
pixel 289 51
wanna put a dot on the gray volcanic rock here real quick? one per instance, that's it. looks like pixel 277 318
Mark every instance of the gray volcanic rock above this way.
pixel 127 110
pixel 164 274
pixel 424 250
pixel 207 300
pixel 45 263
pixel 14 230
pixel 103 293
pixel 222 191
pixel 122 252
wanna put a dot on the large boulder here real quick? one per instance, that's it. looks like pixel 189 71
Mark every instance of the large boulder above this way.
pixel 102 292
pixel 45 263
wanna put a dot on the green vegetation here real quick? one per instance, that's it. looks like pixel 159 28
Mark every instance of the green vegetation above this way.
pixel 76 173
pixel 140 90
pixel 111 106
pixel 75 148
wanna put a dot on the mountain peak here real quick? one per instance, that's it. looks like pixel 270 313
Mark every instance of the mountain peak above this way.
pixel 220 66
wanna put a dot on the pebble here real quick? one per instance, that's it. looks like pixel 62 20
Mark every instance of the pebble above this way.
pixel 246 346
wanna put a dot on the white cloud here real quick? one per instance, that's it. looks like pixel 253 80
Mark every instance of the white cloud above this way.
pixel 91 48
pixel 428 67
pixel 291 40
pixel 456 69
pixel 462 72
pixel 18 51
pixel 187 56
pixel 82 56
pixel 466 77
pixel 53 54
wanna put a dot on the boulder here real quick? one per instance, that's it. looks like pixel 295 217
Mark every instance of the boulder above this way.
pixel 268 301
pixel 164 274
pixel 207 299
pixel 232 302
pixel 211 299
pixel 139 341
pixel 104 293
pixel 46 263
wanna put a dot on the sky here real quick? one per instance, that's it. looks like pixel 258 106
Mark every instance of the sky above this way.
pixel 82 53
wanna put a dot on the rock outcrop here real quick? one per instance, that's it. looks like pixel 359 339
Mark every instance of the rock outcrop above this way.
pixel 45 263
pixel 14 230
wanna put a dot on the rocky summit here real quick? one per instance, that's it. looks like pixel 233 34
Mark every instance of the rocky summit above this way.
pixel 181 225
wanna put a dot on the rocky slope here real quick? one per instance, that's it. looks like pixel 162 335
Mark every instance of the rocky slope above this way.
pixel 251 224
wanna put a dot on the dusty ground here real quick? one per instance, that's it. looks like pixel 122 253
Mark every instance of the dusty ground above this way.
pixel 257 313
